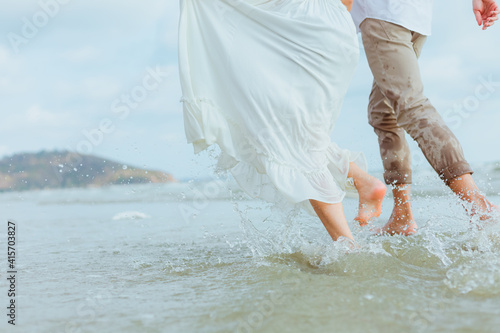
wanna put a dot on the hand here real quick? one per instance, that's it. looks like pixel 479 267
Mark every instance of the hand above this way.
pixel 486 12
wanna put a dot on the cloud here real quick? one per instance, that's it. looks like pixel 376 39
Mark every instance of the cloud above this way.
pixel 81 54
pixel 40 117
pixel 66 78
pixel 4 55
pixel 4 150
pixel 35 120
pixel 432 68
pixel 172 138
pixel 101 87
pixel 172 21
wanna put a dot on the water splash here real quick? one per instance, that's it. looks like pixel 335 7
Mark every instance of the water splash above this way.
pixel 447 246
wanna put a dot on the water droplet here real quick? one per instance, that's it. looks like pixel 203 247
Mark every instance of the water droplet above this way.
pixel 124 167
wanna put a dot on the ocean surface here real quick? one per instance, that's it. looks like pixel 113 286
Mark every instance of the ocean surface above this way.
pixel 200 256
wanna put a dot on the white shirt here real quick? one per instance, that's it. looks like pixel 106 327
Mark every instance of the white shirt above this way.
pixel 414 15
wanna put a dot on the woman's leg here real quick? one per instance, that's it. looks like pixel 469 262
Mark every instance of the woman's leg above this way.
pixel 371 194
pixel 333 218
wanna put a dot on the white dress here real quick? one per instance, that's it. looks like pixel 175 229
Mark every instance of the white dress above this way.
pixel 265 80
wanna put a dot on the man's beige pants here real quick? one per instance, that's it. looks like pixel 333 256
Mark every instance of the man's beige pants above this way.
pixel 397 104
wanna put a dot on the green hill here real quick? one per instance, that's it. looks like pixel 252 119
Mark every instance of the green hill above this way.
pixel 65 169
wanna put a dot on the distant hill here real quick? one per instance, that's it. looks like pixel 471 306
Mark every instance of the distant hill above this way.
pixel 65 169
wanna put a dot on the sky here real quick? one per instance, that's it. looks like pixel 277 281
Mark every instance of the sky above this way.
pixel 102 77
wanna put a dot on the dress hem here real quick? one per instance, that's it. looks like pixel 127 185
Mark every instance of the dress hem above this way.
pixel 267 178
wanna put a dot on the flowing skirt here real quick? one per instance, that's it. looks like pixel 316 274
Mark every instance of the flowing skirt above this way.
pixel 265 80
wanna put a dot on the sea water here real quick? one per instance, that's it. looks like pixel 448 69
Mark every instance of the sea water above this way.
pixel 202 257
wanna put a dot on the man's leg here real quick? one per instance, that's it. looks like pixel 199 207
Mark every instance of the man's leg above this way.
pixel 396 159
pixel 394 150
pixel 393 59
pixel 392 52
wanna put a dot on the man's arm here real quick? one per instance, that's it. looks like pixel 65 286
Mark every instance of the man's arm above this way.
pixel 486 12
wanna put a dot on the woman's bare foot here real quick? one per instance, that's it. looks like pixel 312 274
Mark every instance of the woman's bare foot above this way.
pixel 401 222
pixel 371 194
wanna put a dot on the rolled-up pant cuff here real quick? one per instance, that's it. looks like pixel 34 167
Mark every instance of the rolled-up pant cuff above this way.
pixel 455 170
pixel 397 177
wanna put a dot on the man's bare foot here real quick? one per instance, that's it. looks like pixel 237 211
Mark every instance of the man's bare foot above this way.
pixel 474 200
pixel 495 210
pixel 371 194
pixel 488 213
pixel 401 222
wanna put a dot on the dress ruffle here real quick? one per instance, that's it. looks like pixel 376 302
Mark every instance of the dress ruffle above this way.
pixel 265 177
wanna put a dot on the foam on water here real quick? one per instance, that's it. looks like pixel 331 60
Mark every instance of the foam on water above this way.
pixel 131 215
